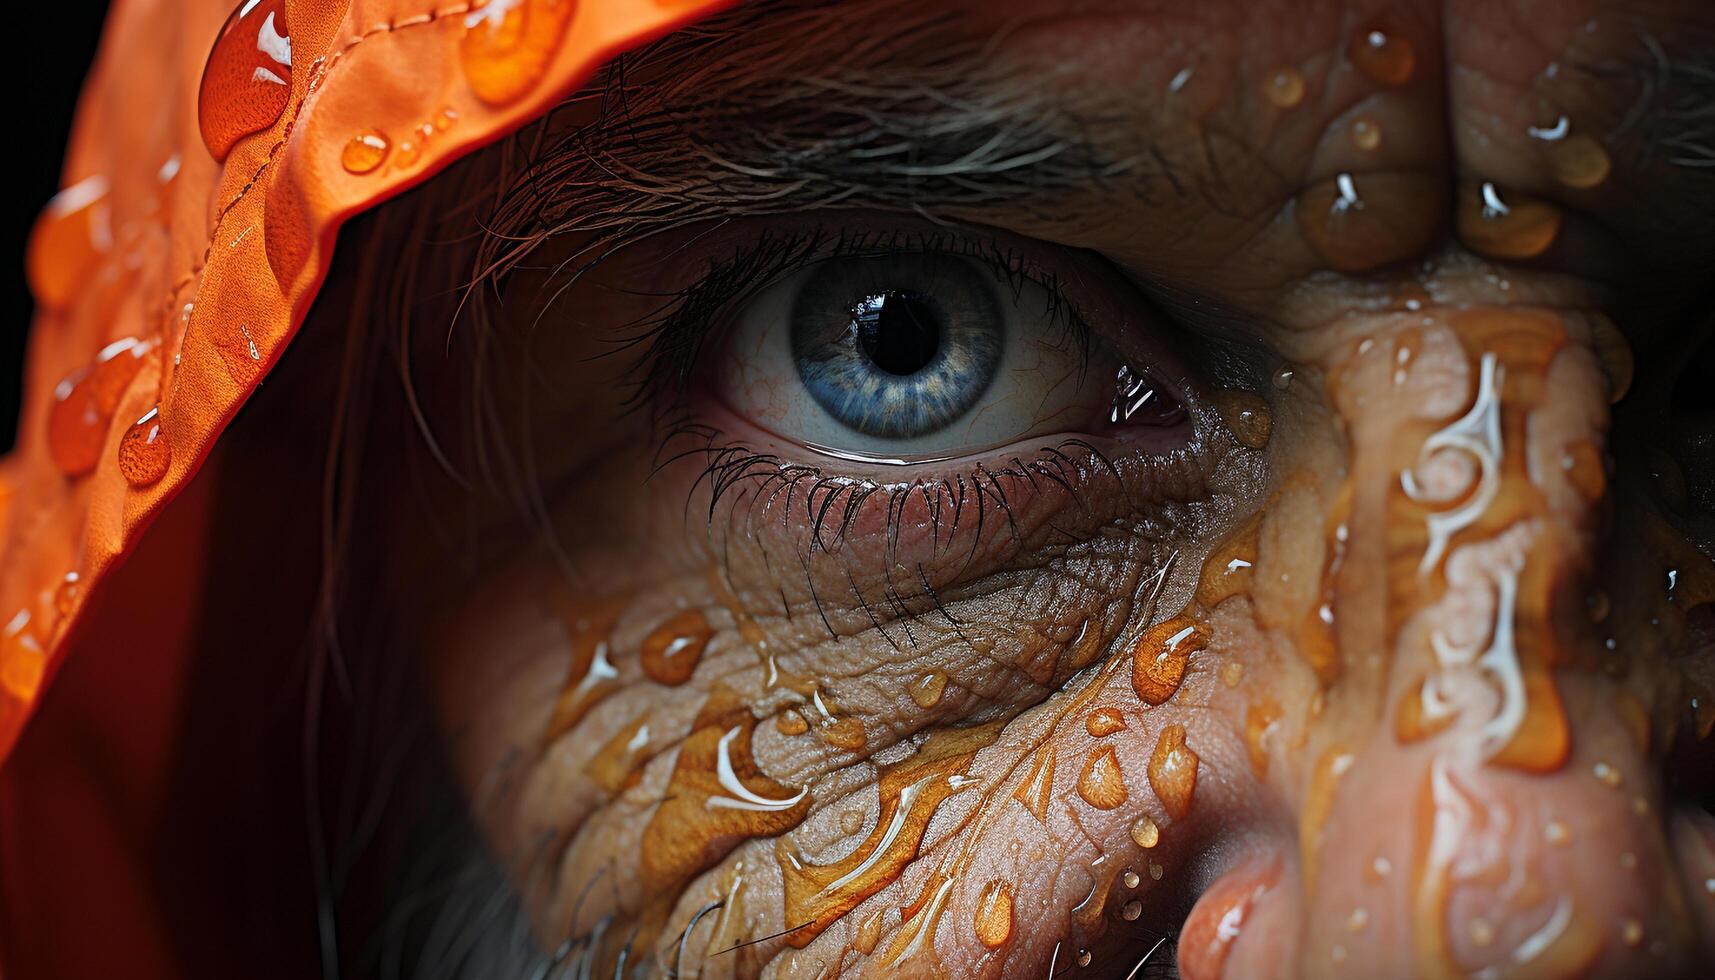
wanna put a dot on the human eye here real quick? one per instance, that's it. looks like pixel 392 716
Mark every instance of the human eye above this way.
pixel 894 356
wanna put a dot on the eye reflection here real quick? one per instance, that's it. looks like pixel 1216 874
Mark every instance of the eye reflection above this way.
pixel 898 346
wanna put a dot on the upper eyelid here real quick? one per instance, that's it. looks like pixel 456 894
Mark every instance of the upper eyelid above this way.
pixel 674 341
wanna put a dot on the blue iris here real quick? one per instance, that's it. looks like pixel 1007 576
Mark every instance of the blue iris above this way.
pixel 897 346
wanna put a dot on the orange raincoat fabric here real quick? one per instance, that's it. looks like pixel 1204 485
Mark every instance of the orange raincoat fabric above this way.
pixel 217 150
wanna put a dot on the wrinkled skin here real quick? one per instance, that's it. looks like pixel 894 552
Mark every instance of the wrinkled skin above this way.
pixel 1441 725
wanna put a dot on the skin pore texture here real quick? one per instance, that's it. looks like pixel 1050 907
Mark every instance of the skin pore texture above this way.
pixel 1380 646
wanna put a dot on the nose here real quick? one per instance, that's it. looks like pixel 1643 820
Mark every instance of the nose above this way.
pixel 1498 689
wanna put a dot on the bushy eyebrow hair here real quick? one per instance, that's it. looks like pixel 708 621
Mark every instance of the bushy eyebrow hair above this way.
pixel 759 112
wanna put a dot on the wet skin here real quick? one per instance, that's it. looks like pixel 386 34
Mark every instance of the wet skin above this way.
pixel 1390 655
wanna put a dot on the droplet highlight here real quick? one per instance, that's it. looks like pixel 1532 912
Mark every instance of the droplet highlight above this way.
pixel 1145 833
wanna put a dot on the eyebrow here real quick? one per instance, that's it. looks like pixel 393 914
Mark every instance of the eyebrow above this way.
pixel 756 113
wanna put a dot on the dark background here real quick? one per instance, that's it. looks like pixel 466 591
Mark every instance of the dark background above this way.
pixel 53 44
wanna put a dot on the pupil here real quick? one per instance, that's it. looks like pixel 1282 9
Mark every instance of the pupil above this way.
pixel 897 330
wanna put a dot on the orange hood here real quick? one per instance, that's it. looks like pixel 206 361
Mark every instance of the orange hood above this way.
pixel 217 150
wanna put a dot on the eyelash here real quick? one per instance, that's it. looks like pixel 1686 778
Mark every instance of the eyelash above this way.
pixel 692 321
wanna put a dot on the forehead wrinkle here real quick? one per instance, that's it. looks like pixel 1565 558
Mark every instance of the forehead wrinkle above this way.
pixel 785 107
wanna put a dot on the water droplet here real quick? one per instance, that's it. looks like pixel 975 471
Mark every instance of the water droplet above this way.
pixel 716 796
pixel 1103 722
pixel 248 78
pixel 144 450
pixel 1284 87
pixel 1557 833
pixel 444 119
pixel 1083 957
pixel 1160 655
pixel 508 45
pixel 1607 774
pixel 1259 721
pixel 1102 784
pixel 71 235
pixel 1508 226
pixel 1228 569
pixel 1155 871
pixel 365 151
pixel 66 593
pixel 1173 772
pixel 1381 867
pixel 844 733
pixel 618 764
pixel 1145 833
pixel 1130 878
pixel 868 933
pixel 910 791
pixel 1579 161
pixel 1246 414
pixel 84 404
pixel 1366 134
pixel 590 676
pixel 1132 910
pixel 851 822
pixel 1358 223
pixel 790 722
pixel 1035 790
pixel 927 689
pixel 1231 673
pixel 22 659
pixel 1584 468
pixel 1481 933
pixel 1283 376
pixel 1615 354
pixel 994 914
pixel 1359 918
pixel 1632 933
pixel 671 651
pixel 1383 56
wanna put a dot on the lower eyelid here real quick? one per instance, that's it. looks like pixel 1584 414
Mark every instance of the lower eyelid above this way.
pixel 752 483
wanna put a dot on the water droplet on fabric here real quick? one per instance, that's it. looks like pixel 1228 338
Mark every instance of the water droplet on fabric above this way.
pixel 73 232
pixel 365 151
pixel 144 450
pixel 509 44
pixel 248 78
